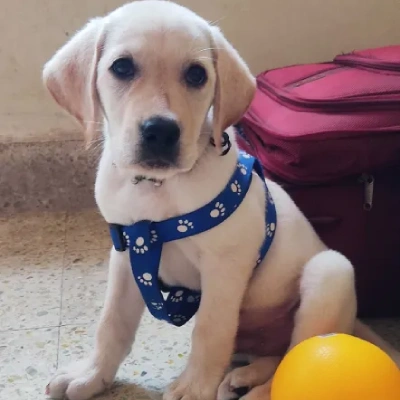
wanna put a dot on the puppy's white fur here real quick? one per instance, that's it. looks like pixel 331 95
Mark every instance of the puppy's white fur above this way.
pixel 300 290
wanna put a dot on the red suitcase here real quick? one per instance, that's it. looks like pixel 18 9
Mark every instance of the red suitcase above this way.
pixel 330 133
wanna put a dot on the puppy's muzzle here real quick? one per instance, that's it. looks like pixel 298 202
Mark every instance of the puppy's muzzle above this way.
pixel 159 142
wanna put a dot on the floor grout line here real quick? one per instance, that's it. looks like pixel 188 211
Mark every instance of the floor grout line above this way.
pixel 37 328
pixel 62 288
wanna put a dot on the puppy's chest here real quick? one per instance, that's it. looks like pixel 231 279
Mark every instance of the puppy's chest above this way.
pixel 122 205
pixel 179 264
pixel 178 258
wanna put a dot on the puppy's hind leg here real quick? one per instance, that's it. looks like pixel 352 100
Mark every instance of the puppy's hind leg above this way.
pixel 255 374
pixel 328 301
pixel 327 304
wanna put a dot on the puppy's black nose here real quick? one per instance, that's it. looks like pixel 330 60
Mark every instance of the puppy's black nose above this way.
pixel 160 134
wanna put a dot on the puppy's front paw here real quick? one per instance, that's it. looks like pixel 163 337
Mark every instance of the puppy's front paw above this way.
pixel 241 381
pixel 78 381
pixel 192 387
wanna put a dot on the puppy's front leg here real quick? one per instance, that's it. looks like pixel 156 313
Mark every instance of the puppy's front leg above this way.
pixel 120 318
pixel 223 284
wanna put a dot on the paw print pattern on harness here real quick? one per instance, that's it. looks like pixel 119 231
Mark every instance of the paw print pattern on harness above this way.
pixel 146 279
pixel 127 239
pixel 184 225
pixel 179 318
pixel 140 247
pixel 236 188
pixel 270 229
pixel 157 306
pixel 177 297
pixel 154 236
pixel 194 299
pixel 218 211
pixel 242 168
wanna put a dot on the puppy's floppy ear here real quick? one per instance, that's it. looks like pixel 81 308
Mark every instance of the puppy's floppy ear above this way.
pixel 235 86
pixel 70 76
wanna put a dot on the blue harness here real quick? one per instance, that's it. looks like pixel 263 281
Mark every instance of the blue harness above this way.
pixel 145 239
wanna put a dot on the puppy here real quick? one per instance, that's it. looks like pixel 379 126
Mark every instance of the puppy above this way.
pixel 164 85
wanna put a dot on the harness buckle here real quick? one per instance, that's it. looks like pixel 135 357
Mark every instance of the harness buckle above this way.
pixel 117 237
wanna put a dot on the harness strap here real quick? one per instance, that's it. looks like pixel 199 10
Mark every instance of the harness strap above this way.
pixel 145 239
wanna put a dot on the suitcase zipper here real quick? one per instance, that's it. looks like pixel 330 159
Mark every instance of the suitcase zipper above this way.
pixel 368 181
pixel 373 102
pixel 354 61
pixel 333 106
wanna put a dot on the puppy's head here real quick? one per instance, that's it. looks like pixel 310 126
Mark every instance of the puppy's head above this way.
pixel 156 74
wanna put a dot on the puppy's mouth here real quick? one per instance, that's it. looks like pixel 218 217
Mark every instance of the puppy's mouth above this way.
pixel 159 158
pixel 151 169
pixel 158 164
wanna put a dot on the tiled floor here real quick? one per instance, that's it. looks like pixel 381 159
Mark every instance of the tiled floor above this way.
pixel 53 271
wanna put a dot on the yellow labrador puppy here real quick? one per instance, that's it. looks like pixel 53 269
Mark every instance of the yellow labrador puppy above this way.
pixel 165 85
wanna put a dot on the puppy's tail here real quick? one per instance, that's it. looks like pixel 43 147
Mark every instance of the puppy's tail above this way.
pixel 366 333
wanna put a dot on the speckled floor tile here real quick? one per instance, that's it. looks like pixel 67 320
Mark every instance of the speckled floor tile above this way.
pixel 158 356
pixel 42 285
pixel 30 234
pixel 30 290
pixel 87 230
pixel 84 285
pixel 28 359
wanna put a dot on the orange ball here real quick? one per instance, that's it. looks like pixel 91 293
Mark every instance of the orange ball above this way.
pixel 336 367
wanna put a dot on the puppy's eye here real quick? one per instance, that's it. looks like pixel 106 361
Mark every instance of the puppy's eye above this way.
pixel 195 76
pixel 123 68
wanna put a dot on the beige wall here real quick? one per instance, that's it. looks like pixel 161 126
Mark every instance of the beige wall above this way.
pixel 267 33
